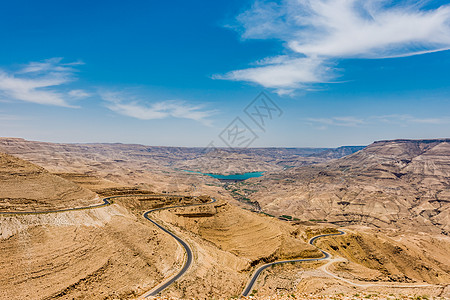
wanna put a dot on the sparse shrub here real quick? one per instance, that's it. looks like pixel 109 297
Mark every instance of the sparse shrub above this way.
pixel 286 217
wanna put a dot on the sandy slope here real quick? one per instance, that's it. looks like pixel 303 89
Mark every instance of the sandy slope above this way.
pixel 92 254
pixel 113 252
pixel 25 186
pixel 390 184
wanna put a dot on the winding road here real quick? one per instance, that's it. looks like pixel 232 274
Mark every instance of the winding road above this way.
pixel 186 247
pixel 107 201
pixel 189 256
pixel 252 281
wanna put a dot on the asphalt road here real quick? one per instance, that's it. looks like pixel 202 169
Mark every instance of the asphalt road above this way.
pixel 186 247
pixel 107 201
pixel 188 262
pixel 252 281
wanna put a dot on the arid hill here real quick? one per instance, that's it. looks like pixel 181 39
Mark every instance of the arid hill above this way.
pixel 338 152
pixel 92 253
pixel 398 189
pixel 25 186
pixel 159 169
pixel 102 253
pixel 390 184
pixel 117 157
pixel 113 252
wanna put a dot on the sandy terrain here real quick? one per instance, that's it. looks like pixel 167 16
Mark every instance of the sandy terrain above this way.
pixel 398 190
pixel 93 254
pixel 27 187
pixel 393 184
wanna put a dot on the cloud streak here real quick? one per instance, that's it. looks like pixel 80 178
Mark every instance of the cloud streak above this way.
pixel 39 82
pixel 393 119
pixel 401 119
pixel 317 32
pixel 348 121
pixel 283 73
pixel 130 106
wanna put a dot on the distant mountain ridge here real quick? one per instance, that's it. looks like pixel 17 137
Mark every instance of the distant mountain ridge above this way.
pixel 338 152
pixel 396 184
pixel 220 160
pixel 440 140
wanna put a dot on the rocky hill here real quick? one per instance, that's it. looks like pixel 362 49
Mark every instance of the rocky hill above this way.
pixel 394 184
pixel 338 152
pixel 119 157
pixel 25 186
pixel 399 189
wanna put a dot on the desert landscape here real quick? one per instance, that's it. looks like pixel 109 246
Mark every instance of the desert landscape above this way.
pixel 218 150
pixel 389 200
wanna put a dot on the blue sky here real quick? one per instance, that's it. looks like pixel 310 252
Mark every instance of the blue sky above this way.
pixel 178 73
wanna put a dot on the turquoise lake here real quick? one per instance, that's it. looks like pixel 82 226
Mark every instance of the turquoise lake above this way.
pixel 242 176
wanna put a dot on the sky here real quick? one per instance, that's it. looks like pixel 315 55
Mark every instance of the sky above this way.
pixel 289 73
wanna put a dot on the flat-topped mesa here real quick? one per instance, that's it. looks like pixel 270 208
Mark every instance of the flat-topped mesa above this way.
pixel 401 149
pixel 28 187
pixel 11 138
pixel 425 141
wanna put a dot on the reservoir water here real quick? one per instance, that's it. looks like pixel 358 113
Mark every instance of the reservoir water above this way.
pixel 241 176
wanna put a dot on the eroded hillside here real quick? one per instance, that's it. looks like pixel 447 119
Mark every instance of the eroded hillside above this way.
pixel 113 252
pixel 27 187
pixel 389 184
pixel 397 188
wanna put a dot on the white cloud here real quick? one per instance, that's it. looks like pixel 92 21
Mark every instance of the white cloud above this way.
pixel 38 82
pixel 402 119
pixel 78 94
pixel 394 119
pixel 347 121
pixel 283 73
pixel 50 65
pixel 354 28
pixel 129 106
pixel 315 32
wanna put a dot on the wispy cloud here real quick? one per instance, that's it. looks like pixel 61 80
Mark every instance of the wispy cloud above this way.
pixel 283 73
pixel 401 119
pixel 348 121
pixel 39 82
pixel 78 94
pixel 127 105
pixel 54 64
pixel 5 117
pixel 393 119
pixel 317 32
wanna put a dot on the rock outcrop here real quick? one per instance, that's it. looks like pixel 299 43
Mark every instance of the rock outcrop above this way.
pixel 393 184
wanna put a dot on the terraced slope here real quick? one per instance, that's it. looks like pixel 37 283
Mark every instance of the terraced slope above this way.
pixel 103 253
pixel 248 235
pixel 390 184
pixel 229 242
pixel 25 186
